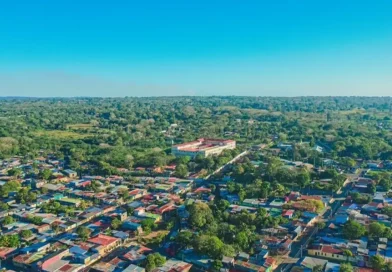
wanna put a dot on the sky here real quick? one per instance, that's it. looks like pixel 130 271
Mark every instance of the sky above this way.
pixel 195 47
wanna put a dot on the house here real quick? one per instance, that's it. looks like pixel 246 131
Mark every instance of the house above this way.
pixel 136 254
pixel 134 268
pixel 242 256
pixel 288 214
pixel 114 265
pixel 174 265
pixel 70 173
pixel 309 263
pixel 129 225
pixel 341 219
pixel 330 252
pixel 104 243
pixel 70 201
pixel 7 252
pixel 309 218
pixel 228 262
pixel 121 235
pixel 250 267
pixel 286 245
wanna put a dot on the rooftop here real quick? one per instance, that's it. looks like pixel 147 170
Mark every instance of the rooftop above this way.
pixel 101 239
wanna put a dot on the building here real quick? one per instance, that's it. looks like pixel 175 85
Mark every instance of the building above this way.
pixel 104 243
pixel 70 173
pixel 204 147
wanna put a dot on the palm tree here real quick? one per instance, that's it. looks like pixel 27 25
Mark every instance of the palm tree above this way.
pixel 347 253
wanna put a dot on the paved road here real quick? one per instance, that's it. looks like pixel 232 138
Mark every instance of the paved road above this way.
pixel 301 244
pixel 236 158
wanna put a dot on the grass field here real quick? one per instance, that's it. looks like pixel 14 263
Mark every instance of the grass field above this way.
pixel 61 134
pixel 79 126
pixel 353 111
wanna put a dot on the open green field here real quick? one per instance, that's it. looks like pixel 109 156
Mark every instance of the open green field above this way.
pixel 61 134
pixel 80 126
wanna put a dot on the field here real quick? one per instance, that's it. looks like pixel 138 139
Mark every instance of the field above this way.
pixel 80 126
pixel 61 134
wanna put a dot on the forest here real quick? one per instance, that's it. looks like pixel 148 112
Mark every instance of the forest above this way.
pixel 111 133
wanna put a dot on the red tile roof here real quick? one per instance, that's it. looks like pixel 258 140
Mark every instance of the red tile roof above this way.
pixel 66 268
pixel 330 249
pixel 102 240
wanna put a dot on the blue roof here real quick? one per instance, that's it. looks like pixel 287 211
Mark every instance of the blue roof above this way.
pixel 333 240
pixel 77 250
pixel 309 215
pixel 130 225
pixel 388 253
pixel 33 247
pixel 341 219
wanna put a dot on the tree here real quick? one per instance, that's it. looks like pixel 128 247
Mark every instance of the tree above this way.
pixel 130 210
pixel 385 184
pixel 56 228
pixel 116 223
pixel 4 206
pixel 185 239
pixel 265 189
pixel 303 178
pixel 353 230
pixel 45 174
pixel 36 220
pixel 318 268
pixel 24 195
pixel 216 265
pixel 347 253
pixel 388 267
pixel 83 233
pixel 388 211
pixel 181 171
pixel 83 205
pixel 16 172
pixel 154 260
pixel 242 240
pixel 371 188
pixel 8 220
pixel 320 225
pixel 376 229
pixel 199 214
pixel 26 234
pixel 212 246
pixel 274 164
pixel 377 262
pixel 9 240
pixel 44 190
pixel 124 193
pixel 242 194
pixel 346 267
pixel 148 225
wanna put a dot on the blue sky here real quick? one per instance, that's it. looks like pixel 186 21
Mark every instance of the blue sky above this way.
pixel 144 48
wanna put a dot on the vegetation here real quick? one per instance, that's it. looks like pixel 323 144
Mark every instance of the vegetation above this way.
pixel 148 225
pixel 56 208
pixel 154 260
pixel 346 267
pixel 26 234
pixel 98 136
pixel 8 220
pixel 9 240
pixel 115 224
pixel 353 230
pixel 83 233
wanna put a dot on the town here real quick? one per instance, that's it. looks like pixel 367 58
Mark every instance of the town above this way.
pixel 329 217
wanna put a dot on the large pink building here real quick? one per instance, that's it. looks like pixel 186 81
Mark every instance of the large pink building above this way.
pixel 203 146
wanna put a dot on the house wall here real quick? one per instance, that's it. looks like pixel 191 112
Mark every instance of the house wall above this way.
pixel 340 257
